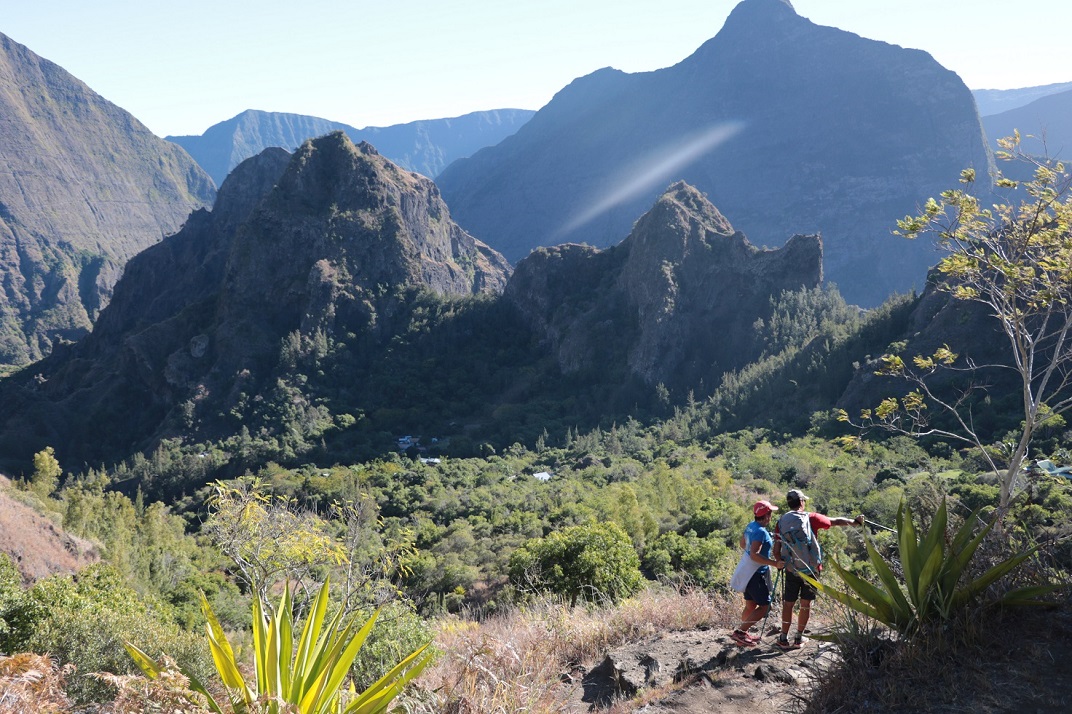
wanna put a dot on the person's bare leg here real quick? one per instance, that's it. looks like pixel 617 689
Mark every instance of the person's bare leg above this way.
pixel 802 618
pixel 748 615
pixel 787 616
pixel 757 614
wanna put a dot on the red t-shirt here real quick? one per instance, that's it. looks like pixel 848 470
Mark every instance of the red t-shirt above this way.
pixel 819 522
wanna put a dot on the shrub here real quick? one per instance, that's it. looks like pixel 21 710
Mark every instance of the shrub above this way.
pixel 587 561
pixel 705 560
pixel 83 620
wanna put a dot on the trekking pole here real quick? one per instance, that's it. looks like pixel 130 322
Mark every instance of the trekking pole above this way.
pixel 774 590
pixel 879 525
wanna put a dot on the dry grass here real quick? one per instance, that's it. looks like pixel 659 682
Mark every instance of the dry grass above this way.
pixel 168 693
pixel 524 660
pixel 32 683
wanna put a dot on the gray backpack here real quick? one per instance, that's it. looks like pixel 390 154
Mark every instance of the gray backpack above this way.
pixel 800 548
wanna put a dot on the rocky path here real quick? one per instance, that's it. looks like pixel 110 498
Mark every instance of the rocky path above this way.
pixel 1029 671
pixel 715 674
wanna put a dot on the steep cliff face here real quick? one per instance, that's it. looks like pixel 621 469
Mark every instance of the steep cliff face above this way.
pixel 84 187
pixel 786 125
pixel 318 243
pixel 676 300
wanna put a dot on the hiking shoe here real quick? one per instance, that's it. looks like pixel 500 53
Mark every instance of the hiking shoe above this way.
pixel 799 641
pixel 743 639
pixel 783 643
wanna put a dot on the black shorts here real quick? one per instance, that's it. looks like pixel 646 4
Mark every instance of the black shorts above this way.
pixel 795 588
pixel 757 590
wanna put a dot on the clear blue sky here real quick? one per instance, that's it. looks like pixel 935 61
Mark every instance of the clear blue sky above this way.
pixel 180 67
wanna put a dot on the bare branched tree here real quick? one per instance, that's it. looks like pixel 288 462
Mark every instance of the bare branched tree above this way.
pixel 1014 259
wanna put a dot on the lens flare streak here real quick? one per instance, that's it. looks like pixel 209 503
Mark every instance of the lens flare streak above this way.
pixel 657 167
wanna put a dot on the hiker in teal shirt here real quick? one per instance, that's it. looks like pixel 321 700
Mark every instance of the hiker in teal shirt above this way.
pixel 755 566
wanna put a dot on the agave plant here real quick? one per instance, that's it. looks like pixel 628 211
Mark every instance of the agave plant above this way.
pixel 935 587
pixel 306 679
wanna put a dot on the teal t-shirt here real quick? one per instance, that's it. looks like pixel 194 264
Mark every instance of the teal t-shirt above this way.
pixel 754 532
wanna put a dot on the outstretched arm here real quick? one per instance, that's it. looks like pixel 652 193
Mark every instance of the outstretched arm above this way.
pixel 841 521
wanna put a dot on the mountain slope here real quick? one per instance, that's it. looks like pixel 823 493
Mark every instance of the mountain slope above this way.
pixel 422 146
pixel 787 126
pixel 297 250
pixel 36 545
pixel 1048 120
pixel 999 101
pixel 85 186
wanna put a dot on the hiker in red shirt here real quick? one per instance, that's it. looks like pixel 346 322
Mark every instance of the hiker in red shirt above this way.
pixel 796 544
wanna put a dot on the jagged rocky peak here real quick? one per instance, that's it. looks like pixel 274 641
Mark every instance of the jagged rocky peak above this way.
pixel 345 203
pixel 342 224
pixel 676 300
pixel 683 224
pixel 681 220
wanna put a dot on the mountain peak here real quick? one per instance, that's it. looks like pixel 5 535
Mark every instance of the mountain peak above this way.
pixel 681 293
pixel 324 242
pixel 690 199
pixel 770 118
pixel 762 11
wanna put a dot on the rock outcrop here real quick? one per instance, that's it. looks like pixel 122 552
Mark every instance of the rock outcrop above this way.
pixel 786 125
pixel 84 187
pixel 707 658
pixel 676 300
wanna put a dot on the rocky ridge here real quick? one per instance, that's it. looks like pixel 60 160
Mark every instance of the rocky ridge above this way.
pixel 314 243
pixel 677 299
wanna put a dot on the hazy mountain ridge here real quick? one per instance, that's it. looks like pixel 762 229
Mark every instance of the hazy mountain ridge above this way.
pixel 1045 125
pixel 787 126
pixel 425 146
pixel 85 187
pixel 998 101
